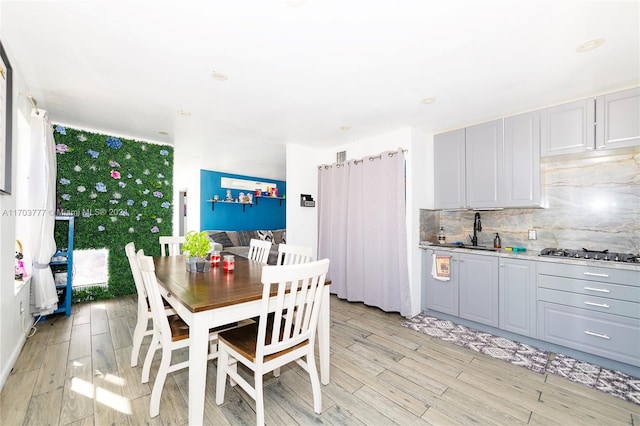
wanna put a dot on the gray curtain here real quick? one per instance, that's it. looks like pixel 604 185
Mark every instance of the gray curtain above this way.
pixel 42 199
pixel 362 229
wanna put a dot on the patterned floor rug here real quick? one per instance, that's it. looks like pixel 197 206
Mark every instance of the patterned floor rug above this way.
pixel 611 382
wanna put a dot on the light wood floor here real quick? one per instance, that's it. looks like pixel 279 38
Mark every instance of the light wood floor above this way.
pixel 75 371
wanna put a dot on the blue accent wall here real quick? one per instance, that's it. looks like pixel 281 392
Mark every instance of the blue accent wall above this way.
pixel 265 214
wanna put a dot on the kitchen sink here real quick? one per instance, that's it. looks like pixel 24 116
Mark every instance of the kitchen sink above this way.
pixel 467 246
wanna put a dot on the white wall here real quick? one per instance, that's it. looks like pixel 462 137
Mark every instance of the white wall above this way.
pixel 12 321
pixel 419 196
pixel 302 177
pixel 186 177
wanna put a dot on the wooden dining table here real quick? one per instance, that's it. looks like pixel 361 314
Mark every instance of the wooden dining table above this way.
pixel 210 299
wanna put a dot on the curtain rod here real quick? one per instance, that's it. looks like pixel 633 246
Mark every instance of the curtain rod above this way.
pixel 34 103
pixel 371 158
pixel 32 100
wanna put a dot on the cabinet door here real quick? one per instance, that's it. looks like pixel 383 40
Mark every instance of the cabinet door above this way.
pixel 567 128
pixel 484 159
pixel 449 170
pixel 478 288
pixel 522 160
pixel 517 284
pixel 441 296
pixel 618 119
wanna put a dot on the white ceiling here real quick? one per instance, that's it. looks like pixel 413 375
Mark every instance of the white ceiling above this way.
pixel 298 74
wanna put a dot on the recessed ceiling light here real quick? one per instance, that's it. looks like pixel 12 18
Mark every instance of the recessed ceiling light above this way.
pixel 345 127
pixel 294 3
pixel 184 113
pixel 590 45
pixel 428 100
pixel 163 133
pixel 219 76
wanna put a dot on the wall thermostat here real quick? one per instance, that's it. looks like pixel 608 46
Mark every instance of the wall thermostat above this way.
pixel 306 200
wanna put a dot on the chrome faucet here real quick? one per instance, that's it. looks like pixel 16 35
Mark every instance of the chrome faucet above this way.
pixel 477 227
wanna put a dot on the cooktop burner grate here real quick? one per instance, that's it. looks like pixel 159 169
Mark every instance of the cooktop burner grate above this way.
pixel 584 253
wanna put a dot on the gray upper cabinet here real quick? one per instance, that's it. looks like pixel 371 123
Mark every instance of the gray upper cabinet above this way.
pixel 618 119
pixel 606 122
pixel 449 170
pixel 567 128
pixel 522 186
pixel 484 157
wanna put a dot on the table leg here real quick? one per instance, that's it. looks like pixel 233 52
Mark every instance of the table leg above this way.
pixel 323 337
pixel 198 347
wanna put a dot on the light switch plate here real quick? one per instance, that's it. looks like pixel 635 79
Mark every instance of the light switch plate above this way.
pixel 533 234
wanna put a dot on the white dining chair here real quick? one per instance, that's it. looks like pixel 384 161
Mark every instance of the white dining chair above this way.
pixel 293 255
pixel 169 334
pixel 171 245
pixel 274 342
pixel 259 250
pixel 289 254
pixel 144 308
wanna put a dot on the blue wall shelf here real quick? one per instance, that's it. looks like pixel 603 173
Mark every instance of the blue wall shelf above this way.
pixel 262 213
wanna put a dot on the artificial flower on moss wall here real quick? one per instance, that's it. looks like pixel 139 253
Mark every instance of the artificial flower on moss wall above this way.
pixel 120 190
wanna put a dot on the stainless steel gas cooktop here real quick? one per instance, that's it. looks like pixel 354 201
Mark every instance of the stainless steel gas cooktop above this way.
pixel 603 255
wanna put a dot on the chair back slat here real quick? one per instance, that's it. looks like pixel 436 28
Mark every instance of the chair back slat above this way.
pixel 130 250
pixel 296 307
pixel 259 250
pixel 148 273
pixel 171 245
pixel 293 255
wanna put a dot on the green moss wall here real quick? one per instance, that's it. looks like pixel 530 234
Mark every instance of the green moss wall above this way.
pixel 120 190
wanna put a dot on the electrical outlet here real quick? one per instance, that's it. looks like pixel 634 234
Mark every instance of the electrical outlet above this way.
pixel 533 234
pixel 21 308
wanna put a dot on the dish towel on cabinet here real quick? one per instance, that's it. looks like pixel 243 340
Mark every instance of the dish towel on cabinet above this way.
pixel 441 269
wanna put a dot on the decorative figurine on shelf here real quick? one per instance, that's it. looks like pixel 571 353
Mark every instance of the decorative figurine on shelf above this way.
pixel 249 198
pixel 229 197
pixel 19 264
pixel 241 197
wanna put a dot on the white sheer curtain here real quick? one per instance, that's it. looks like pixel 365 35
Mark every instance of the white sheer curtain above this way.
pixel 362 229
pixel 42 202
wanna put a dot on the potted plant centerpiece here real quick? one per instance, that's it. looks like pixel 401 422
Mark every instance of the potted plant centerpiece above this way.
pixel 196 247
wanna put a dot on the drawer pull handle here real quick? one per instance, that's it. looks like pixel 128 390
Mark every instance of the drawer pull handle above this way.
pixel 601 290
pixel 602 336
pixel 600 305
pixel 593 274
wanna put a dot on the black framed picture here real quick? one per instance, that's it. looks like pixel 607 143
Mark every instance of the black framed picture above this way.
pixel 6 118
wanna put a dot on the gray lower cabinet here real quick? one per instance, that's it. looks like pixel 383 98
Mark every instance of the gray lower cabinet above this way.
pixel 478 288
pixel 592 309
pixel 437 295
pixel 517 295
pixel 588 308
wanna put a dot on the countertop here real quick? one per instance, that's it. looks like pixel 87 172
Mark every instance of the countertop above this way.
pixel 534 255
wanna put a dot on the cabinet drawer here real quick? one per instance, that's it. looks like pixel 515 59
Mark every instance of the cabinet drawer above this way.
pixel 606 335
pixel 597 289
pixel 590 273
pixel 600 304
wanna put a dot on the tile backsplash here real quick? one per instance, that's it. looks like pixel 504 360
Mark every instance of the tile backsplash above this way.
pixel 592 201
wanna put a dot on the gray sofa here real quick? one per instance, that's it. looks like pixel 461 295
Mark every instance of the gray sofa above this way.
pixel 237 242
